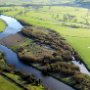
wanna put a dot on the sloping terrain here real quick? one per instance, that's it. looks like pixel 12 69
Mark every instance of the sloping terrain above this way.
pixel 80 3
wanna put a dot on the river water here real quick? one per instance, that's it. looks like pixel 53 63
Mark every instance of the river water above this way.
pixel 82 67
pixel 13 26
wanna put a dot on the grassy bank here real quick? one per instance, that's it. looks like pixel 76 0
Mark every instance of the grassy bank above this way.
pixel 7 85
pixel 2 26
pixel 9 79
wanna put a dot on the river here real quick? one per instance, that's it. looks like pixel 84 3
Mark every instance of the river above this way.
pixel 13 26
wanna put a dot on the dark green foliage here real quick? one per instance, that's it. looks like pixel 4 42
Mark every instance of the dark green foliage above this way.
pixel 28 78
pixel 45 36
pixel 1 56
pixel 35 53
pixel 47 42
pixel 83 80
pixel 61 67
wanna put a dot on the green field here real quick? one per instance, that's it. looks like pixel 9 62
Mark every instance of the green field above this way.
pixel 6 85
pixel 12 11
pixel 2 25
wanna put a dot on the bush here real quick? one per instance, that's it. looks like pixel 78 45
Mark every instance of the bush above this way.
pixel 61 67
pixel 82 80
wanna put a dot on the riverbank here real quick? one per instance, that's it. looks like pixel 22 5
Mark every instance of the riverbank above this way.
pixel 16 79
pixel 4 82
pixel 2 25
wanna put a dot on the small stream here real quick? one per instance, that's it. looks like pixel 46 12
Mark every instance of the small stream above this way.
pixel 11 58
